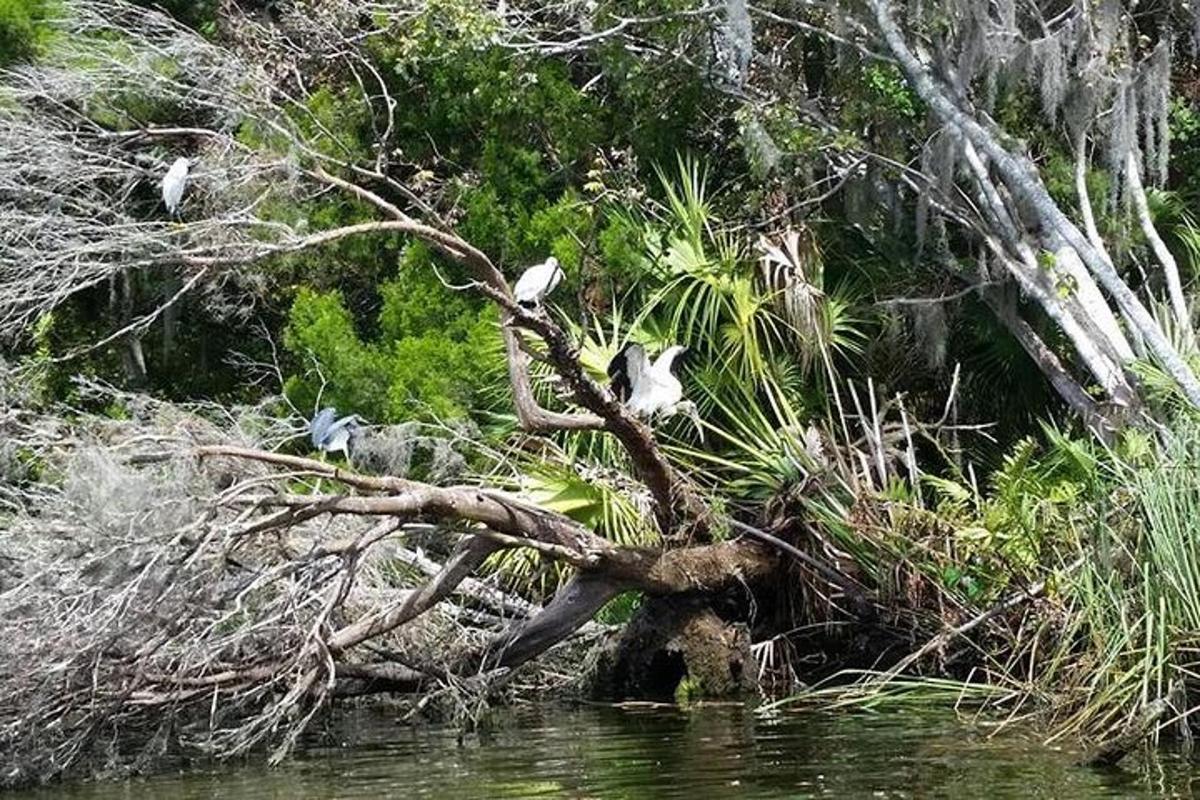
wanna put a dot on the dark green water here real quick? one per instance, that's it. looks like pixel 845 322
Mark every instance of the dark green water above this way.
pixel 718 752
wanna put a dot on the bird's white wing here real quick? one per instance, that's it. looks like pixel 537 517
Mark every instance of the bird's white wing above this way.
pixel 641 381
pixel 668 391
pixel 526 290
pixel 666 360
pixel 662 390
pixel 637 366
pixel 537 281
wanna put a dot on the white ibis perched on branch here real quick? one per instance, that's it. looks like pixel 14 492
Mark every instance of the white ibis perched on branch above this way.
pixel 537 282
pixel 174 183
pixel 330 434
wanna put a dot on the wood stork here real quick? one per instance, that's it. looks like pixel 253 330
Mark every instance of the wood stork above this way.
pixel 647 388
pixel 330 434
pixel 174 182
pixel 537 282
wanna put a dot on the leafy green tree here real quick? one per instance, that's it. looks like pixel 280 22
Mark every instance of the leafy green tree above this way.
pixel 432 356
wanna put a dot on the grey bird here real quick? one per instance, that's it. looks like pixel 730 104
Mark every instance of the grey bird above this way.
pixel 330 434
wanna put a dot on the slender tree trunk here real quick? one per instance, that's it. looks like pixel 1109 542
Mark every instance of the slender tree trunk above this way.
pixel 1021 176
pixel 1136 340
pixel 1179 308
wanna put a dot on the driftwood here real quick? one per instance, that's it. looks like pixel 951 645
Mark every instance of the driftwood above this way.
pixel 170 583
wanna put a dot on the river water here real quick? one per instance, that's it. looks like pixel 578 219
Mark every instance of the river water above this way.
pixel 697 754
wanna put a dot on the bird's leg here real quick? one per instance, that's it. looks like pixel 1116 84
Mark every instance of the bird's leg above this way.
pixel 317 488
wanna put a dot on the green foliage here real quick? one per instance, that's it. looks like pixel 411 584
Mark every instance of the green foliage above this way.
pixel 888 91
pixel 620 609
pixel 431 358
pixel 1185 143
pixel 336 123
pixel 598 504
pixel 20 32
pixel 200 15
pixel 1036 493
pixel 877 104
pixel 321 329
pixel 451 29
pixel 1132 592
pixel 688 691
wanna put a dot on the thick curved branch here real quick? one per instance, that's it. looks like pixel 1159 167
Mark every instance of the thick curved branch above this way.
pixel 407 499
pixel 709 568
pixel 673 496
pixel 573 606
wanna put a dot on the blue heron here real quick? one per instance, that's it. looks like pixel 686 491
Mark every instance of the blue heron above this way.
pixel 330 434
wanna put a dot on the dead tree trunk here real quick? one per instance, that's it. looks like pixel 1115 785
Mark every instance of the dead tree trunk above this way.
pixel 1020 218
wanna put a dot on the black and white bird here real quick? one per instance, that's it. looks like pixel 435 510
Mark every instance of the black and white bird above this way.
pixel 647 388
pixel 174 182
pixel 330 434
pixel 537 282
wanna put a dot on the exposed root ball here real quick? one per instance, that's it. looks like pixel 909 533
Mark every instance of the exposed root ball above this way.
pixel 679 647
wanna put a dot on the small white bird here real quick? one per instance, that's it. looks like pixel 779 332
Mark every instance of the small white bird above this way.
pixel 647 389
pixel 537 282
pixel 174 183
pixel 332 435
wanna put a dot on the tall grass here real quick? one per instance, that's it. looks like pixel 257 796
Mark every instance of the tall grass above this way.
pixel 1111 643
pixel 1133 606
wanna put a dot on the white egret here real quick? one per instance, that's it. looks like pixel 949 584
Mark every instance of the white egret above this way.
pixel 537 282
pixel 174 183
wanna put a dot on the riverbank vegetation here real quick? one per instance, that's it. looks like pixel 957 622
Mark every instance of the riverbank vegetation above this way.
pixel 933 264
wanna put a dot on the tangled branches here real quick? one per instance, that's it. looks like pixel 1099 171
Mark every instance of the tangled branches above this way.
pixel 137 598
pixel 175 577
pixel 171 585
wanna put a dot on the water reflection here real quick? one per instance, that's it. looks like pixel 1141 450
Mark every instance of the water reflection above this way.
pixel 718 752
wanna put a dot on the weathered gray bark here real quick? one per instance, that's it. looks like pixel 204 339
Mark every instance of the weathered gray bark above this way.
pixel 573 606
pixel 1078 400
pixel 1012 250
pixel 1020 176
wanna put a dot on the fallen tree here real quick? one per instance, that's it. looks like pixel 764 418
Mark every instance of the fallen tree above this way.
pixel 171 593
pixel 199 588
pixel 222 596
